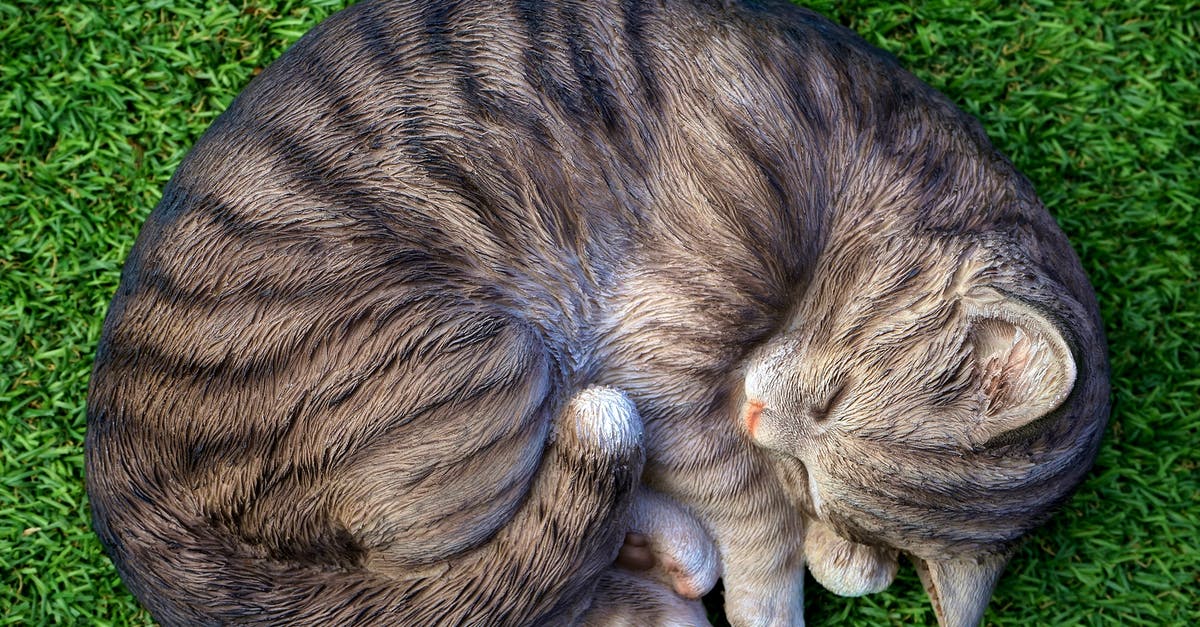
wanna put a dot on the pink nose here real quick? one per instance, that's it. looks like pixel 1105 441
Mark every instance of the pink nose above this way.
pixel 751 414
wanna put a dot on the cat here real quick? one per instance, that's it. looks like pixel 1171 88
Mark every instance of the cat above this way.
pixel 457 294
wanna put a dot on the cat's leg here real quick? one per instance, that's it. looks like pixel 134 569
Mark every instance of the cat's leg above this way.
pixel 847 568
pixel 629 599
pixel 763 559
pixel 758 531
pixel 542 566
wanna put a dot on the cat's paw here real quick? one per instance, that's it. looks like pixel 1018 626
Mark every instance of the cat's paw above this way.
pixel 847 568
pixel 668 542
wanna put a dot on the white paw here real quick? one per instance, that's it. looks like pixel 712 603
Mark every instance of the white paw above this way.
pixel 687 559
pixel 847 568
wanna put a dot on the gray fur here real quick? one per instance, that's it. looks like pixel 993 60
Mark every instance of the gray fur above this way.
pixel 352 371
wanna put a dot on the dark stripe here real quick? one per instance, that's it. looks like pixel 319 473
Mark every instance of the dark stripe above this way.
pixel 436 21
pixel 799 83
pixel 145 357
pixel 381 46
pixel 478 333
pixel 373 27
pixel 333 546
pixel 538 65
pixel 633 14
pixel 447 46
pixel 500 220
pixel 588 72
pixel 218 449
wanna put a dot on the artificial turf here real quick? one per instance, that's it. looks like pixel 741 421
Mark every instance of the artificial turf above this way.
pixel 1096 102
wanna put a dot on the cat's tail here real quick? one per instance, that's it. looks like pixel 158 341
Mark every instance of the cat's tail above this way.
pixel 539 568
pixel 549 558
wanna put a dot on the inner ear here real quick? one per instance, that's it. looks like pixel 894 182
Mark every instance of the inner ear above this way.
pixel 1022 367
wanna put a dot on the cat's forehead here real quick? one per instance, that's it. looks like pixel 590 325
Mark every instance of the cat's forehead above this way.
pixel 904 267
pixel 873 333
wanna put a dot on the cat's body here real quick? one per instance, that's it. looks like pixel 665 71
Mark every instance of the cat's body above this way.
pixel 330 384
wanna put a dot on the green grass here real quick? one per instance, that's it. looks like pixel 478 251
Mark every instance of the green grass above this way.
pixel 1097 104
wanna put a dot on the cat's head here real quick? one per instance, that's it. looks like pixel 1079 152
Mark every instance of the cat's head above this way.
pixel 930 413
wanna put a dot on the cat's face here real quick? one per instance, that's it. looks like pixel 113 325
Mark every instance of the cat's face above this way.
pixel 927 424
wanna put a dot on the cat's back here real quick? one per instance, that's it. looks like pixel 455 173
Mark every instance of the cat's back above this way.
pixel 520 157
pixel 509 131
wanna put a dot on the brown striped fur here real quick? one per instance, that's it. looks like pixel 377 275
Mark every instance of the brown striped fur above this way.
pixel 419 310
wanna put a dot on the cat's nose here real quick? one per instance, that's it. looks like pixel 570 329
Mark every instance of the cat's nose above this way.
pixel 751 414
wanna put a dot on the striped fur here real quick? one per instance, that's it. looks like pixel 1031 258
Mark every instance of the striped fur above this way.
pixel 350 372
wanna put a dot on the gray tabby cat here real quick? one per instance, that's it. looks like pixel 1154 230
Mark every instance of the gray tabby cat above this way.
pixel 456 294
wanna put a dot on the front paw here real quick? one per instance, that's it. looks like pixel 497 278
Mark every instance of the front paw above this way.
pixel 671 545
pixel 847 568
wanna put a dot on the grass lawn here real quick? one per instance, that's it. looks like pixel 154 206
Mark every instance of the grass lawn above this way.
pixel 1097 104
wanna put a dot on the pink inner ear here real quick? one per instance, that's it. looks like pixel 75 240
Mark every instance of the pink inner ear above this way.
pixel 1020 369
pixel 1024 370
pixel 751 415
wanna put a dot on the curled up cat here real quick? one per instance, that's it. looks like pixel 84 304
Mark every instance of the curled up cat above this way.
pixel 463 308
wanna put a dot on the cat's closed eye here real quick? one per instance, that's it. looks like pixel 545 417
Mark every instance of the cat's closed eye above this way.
pixel 833 399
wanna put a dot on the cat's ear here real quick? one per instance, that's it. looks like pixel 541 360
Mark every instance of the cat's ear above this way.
pixel 1023 369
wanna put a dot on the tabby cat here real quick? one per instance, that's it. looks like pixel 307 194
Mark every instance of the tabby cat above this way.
pixel 456 293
